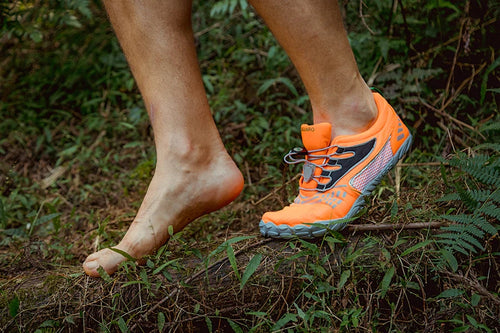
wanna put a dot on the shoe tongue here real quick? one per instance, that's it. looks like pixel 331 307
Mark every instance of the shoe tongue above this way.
pixel 316 136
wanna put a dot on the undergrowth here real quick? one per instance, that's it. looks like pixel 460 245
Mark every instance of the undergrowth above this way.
pixel 76 154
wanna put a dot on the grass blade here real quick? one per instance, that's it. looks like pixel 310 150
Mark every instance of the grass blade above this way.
pixel 386 281
pixel 232 261
pixel 251 268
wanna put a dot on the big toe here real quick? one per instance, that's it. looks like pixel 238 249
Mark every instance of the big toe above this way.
pixel 106 258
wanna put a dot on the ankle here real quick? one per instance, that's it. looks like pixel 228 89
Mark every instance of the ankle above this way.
pixel 188 151
pixel 349 113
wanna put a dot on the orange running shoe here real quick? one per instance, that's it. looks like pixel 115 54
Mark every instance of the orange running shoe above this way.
pixel 337 174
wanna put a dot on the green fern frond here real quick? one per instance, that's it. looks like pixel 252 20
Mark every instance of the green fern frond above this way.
pixel 462 218
pixel 457 242
pixel 490 126
pixel 450 197
pixel 478 189
pixel 460 229
pixel 466 197
pixel 482 167
pixel 477 195
pixel 465 237
pixel 483 195
pixel 490 209
pixel 481 222
pixel 452 244
pixel 486 176
pixel 471 220
pixel 492 146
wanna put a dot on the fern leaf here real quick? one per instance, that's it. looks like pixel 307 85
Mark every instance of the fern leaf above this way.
pixel 490 209
pixel 486 175
pixel 450 236
pixel 481 222
pixel 467 246
pixel 477 195
pixel 460 229
pixel 472 240
pixel 467 232
pixel 460 249
pixel 459 240
pixel 493 146
pixel 451 197
pixel 495 196
pixel 477 220
pixel 490 126
pixel 453 245
pixel 466 197
pixel 461 218
pixel 484 195
pixel 481 167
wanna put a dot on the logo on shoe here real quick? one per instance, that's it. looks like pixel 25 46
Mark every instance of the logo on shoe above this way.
pixel 307 129
pixel 355 155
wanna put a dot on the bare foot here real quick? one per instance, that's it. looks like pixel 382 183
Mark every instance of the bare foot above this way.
pixel 178 194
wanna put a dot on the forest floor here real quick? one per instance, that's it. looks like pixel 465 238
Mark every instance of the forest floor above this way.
pixel 77 154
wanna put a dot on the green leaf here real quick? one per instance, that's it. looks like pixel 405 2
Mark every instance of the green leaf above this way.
pixel 251 268
pixel 386 281
pixel 123 253
pixel 223 246
pixel 104 275
pixel 209 324
pixel 270 82
pixel 3 215
pixel 14 306
pixel 46 218
pixel 69 151
pixel 394 209
pixel 343 278
pixel 450 259
pixel 162 266
pixel 484 82
pixel 474 300
pixel 416 247
pixel 284 320
pixel 122 325
pixel 288 83
pixel 259 314
pixel 208 84
pixel 449 293
pixel 236 328
pixel 232 261
pixel 313 248
pixel 161 321
pixel 472 320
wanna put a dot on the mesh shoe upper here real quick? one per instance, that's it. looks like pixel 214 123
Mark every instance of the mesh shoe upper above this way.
pixel 337 172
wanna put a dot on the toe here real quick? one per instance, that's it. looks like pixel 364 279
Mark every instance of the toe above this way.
pixel 107 259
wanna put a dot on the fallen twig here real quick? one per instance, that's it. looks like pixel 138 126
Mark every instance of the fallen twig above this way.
pixel 475 285
pixel 395 226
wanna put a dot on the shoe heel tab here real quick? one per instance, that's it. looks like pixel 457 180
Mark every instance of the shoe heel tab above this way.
pixel 377 90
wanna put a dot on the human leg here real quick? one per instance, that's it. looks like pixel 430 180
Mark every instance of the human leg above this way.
pixel 194 175
pixel 312 34
pixel 356 137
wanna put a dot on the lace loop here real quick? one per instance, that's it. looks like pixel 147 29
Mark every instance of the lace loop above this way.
pixel 310 160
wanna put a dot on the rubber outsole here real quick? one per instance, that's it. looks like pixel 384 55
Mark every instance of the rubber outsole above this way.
pixel 319 228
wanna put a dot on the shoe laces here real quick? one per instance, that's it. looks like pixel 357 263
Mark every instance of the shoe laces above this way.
pixel 311 162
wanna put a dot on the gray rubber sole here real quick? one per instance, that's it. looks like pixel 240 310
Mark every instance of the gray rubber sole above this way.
pixel 319 228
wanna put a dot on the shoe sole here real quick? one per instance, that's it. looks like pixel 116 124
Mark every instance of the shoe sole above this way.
pixel 318 229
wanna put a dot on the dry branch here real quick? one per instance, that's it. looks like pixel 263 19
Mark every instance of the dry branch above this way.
pixel 395 226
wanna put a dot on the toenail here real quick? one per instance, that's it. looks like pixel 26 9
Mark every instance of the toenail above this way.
pixel 91 264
